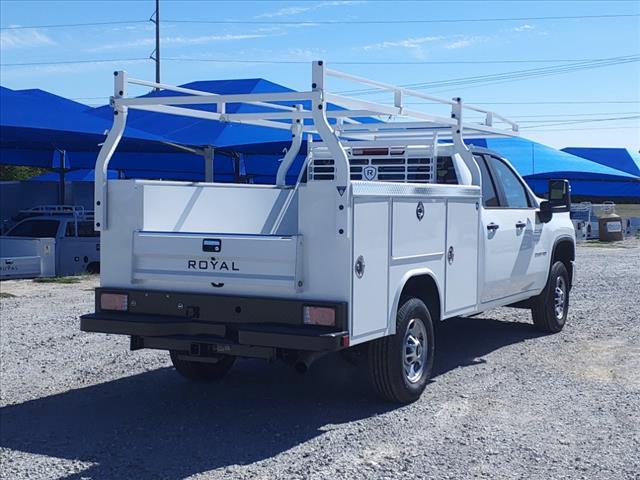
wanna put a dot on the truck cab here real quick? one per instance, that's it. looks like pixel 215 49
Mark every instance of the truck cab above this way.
pixel 392 225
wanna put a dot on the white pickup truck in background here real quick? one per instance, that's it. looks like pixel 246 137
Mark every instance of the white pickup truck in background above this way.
pixel 393 224
pixel 49 241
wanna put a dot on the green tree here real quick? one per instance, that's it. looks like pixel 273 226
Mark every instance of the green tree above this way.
pixel 17 172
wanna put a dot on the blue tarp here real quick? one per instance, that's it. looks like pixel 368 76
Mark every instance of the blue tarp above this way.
pixel 537 163
pixel 34 120
pixel 81 175
pixel 193 131
pixel 35 123
pixel 618 158
pixel 239 137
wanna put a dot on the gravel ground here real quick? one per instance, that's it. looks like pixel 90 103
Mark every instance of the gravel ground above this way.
pixel 505 402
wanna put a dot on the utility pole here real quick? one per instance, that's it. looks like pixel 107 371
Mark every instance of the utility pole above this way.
pixel 155 55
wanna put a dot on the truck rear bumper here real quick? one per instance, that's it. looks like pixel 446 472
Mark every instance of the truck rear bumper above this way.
pixel 228 324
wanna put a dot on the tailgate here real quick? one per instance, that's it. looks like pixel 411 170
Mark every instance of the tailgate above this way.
pixel 224 259
pixel 20 267
pixel 26 257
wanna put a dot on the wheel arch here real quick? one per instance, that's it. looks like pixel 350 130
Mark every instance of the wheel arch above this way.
pixel 423 284
pixel 564 250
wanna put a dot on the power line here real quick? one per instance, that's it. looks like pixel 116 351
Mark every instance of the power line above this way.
pixel 563 115
pixel 73 25
pixel 401 21
pixel 72 62
pixel 331 22
pixel 391 62
pixel 517 73
pixel 583 129
pixel 306 62
pixel 579 102
pixel 509 76
pixel 591 120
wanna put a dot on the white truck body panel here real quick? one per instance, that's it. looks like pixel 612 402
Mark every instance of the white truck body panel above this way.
pixel 159 228
pixel 461 272
pixel 24 257
pixel 370 297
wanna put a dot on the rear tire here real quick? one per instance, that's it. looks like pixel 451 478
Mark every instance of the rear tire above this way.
pixel 550 308
pixel 202 371
pixel 93 268
pixel 400 365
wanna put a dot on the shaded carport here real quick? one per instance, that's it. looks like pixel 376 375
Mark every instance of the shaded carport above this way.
pixel 538 163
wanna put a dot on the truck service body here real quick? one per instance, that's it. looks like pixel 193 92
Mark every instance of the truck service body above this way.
pixel 391 226
pixel 49 241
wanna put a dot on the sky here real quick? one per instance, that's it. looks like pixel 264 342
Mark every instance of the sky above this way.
pixel 562 79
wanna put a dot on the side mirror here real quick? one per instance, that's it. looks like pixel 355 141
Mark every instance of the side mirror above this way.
pixel 560 195
pixel 559 200
pixel 546 211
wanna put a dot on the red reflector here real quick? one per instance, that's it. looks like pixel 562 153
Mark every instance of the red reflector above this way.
pixel 344 341
pixel 319 316
pixel 114 301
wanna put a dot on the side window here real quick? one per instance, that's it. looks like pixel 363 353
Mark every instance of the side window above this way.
pixel 514 192
pixel 35 228
pixel 445 171
pixel 70 231
pixel 85 229
pixel 489 195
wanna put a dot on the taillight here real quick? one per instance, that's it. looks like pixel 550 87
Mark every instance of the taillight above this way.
pixel 325 316
pixel 114 301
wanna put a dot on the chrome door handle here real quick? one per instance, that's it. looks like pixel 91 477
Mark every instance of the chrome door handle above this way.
pixel 493 227
pixel 521 224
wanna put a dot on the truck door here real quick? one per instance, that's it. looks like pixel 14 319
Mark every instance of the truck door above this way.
pixel 78 249
pixel 508 223
pixel 461 255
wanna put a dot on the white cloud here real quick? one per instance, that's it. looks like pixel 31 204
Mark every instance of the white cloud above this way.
pixel 464 42
pixel 287 11
pixel 178 40
pixel 24 38
pixel 523 28
pixel 406 43
pixel 417 43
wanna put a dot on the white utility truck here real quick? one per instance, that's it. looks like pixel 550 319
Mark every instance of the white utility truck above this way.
pixel 394 224
pixel 49 241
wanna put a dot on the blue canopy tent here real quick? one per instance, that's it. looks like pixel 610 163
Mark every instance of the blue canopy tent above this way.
pixel 35 121
pixel 538 163
pixel 39 129
pixel 618 158
pixel 36 125
pixel 255 150
pixel 80 175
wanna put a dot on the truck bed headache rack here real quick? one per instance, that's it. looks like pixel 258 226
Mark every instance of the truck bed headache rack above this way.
pixel 338 123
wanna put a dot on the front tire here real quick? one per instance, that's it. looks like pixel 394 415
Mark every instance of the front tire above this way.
pixel 400 365
pixel 550 308
pixel 202 371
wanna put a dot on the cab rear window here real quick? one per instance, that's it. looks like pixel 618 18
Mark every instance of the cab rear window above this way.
pixel 445 171
pixel 35 228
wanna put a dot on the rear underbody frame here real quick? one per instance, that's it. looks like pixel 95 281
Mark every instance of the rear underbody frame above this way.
pixel 205 323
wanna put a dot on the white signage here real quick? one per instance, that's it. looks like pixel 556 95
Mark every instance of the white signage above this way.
pixel 614 227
